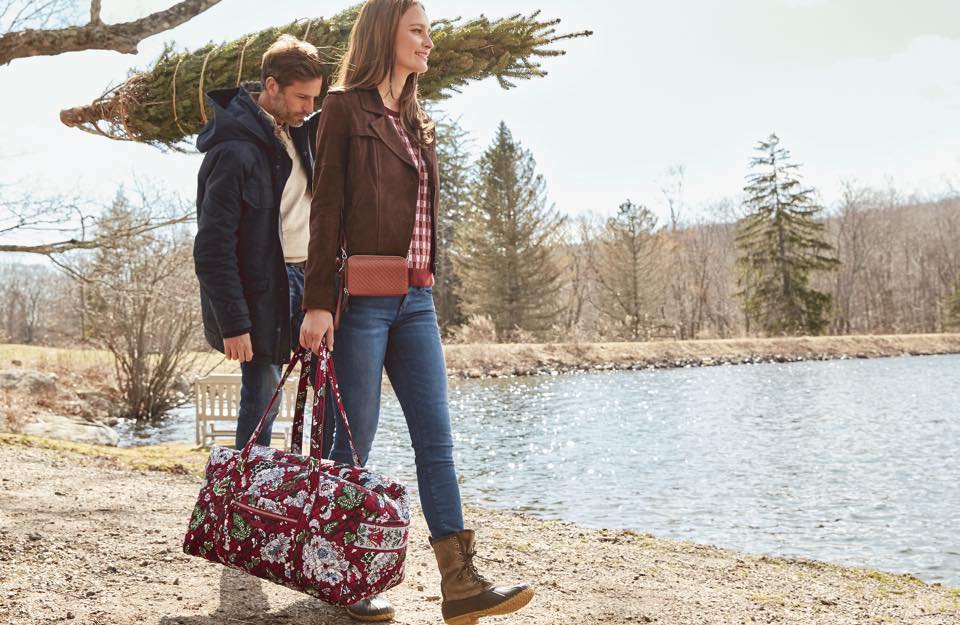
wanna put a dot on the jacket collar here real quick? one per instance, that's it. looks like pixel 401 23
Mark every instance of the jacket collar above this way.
pixel 372 103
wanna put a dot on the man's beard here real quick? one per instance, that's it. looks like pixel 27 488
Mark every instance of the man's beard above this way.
pixel 282 115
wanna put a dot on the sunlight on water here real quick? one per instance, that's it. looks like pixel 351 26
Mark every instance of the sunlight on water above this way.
pixel 848 461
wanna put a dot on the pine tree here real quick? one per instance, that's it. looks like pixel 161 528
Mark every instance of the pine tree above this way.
pixel 952 307
pixel 456 176
pixel 780 242
pixel 505 251
pixel 624 265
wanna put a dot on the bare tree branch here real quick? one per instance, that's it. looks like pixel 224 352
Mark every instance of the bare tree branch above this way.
pixel 96 35
pixel 28 214
pixel 19 14
pixel 59 247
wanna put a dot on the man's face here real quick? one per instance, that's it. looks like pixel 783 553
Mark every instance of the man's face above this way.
pixel 291 104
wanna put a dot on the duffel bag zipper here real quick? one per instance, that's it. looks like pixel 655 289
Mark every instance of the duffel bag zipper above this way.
pixel 264 513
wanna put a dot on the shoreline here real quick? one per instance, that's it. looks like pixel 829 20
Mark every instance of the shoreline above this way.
pixel 71 393
pixel 507 360
pixel 479 360
pixel 104 558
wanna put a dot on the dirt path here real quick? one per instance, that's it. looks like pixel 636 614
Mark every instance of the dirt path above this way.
pixel 86 540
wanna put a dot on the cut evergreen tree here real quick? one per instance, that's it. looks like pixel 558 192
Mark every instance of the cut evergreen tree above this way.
pixel 165 104
pixel 780 243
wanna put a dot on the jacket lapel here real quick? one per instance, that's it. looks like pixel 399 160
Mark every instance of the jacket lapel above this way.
pixel 383 127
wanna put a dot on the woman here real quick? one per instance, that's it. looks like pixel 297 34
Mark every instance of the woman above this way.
pixel 376 178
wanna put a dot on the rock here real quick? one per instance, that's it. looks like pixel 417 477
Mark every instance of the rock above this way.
pixel 28 381
pixel 100 405
pixel 72 429
pixel 78 407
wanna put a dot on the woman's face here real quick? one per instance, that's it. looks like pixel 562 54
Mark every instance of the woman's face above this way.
pixel 413 43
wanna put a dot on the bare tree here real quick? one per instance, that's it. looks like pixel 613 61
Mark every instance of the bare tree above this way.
pixel 701 263
pixel 140 300
pixel 16 15
pixel 899 260
pixel 22 41
pixel 29 303
pixel 848 228
pixel 575 244
pixel 672 190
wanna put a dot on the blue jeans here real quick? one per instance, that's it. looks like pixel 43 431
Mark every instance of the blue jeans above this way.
pixel 258 380
pixel 400 334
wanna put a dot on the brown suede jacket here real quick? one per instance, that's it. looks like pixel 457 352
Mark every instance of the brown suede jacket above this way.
pixel 365 177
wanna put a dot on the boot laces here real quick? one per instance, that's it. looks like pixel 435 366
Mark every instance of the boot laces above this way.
pixel 472 570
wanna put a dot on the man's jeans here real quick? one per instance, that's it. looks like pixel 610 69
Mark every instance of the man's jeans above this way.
pixel 401 334
pixel 260 380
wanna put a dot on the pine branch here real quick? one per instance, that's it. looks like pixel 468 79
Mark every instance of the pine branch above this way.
pixel 165 105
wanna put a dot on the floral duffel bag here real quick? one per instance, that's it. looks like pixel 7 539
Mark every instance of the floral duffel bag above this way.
pixel 337 532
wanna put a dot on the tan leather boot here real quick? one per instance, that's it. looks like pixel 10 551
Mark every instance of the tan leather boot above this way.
pixel 467 596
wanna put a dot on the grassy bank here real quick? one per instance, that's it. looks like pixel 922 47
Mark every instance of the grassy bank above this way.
pixel 177 458
pixel 504 359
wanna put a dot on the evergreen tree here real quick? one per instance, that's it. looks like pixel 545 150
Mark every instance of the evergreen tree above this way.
pixel 456 175
pixel 624 265
pixel 505 251
pixel 952 307
pixel 780 242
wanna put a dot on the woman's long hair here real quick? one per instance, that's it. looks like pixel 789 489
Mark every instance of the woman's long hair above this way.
pixel 370 57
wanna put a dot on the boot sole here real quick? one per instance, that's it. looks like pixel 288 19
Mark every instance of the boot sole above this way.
pixel 374 618
pixel 512 604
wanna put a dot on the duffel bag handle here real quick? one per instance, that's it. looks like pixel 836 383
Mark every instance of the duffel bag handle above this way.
pixel 325 376
pixel 308 362
pixel 245 453
pixel 324 370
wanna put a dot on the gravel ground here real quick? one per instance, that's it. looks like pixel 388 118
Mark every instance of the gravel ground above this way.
pixel 92 541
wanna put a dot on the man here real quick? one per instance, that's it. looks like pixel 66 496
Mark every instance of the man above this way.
pixel 253 209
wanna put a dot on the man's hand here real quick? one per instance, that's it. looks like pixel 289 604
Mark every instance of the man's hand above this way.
pixel 238 348
pixel 317 325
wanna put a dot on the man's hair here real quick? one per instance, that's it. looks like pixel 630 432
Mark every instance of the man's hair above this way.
pixel 290 59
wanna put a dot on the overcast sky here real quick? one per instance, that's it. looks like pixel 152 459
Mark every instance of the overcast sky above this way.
pixel 867 91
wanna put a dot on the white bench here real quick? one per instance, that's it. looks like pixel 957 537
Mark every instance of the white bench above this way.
pixel 218 403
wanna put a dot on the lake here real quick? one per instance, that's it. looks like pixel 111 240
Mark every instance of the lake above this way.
pixel 850 461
